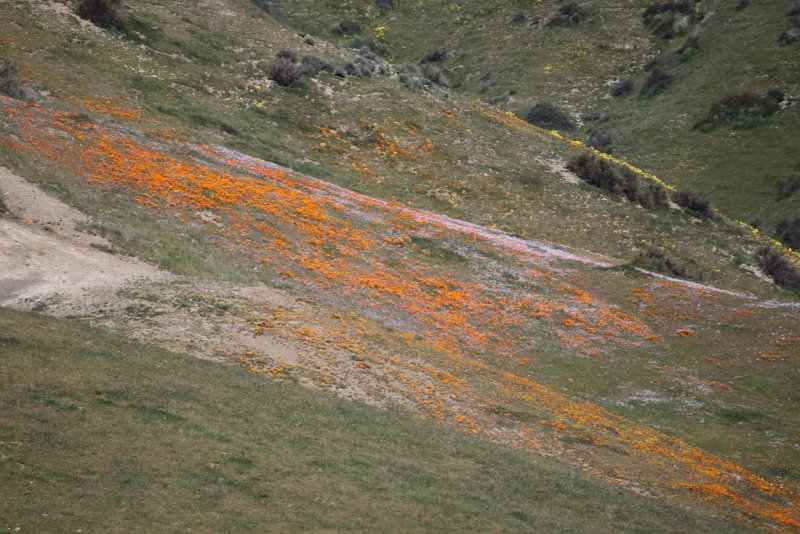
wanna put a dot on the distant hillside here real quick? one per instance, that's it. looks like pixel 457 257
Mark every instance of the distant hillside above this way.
pixel 668 63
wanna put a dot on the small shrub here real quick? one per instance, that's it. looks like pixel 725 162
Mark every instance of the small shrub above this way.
pixel 440 54
pixel 435 75
pixel 313 65
pixel 694 201
pixel 741 4
pixel 787 231
pixel 596 172
pixel 777 267
pixel 378 48
pixel 3 207
pixel 10 84
pixel 669 19
pixel 601 174
pixel 656 259
pixel 656 81
pixel 360 67
pixel 788 185
pixel 792 34
pixel 548 116
pixel 346 27
pixel 652 63
pixel 385 4
pixel 285 53
pixel 794 10
pixel 600 140
pixel 689 48
pixel 743 111
pixel 622 88
pixel 107 14
pixel 286 72
pixel 570 14
pixel 411 77
pixel 263 5
pixel 519 17
pixel 310 41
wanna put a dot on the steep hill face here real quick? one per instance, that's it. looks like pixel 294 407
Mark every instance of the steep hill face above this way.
pixel 668 64
pixel 421 250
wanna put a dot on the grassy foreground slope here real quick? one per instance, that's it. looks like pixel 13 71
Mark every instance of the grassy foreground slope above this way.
pixel 103 434
pixel 515 54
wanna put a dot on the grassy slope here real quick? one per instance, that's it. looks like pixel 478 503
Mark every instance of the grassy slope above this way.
pixel 194 75
pixel 101 433
pixel 572 66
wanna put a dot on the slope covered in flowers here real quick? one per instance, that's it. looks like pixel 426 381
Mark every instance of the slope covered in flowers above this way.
pixel 449 315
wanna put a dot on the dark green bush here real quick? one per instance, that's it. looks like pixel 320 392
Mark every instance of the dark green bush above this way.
pixel 550 117
pixel 741 4
pixel 603 175
pixel 570 14
pixel 263 5
pixel 656 259
pixel 694 201
pixel 378 48
pixel 745 110
pixel 688 49
pixel 107 14
pixel 346 27
pixel 656 81
pixel 286 72
pixel 775 265
pixel 10 84
pixel 794 10
pixel 622 88
pixel 385 4
pixel 440 54
pixel 600 140
pixel 791 34
pixel 313 65
pixel 669 19
pixel 787 231
pixel 285 53
pixel 788 185
pixel 361 67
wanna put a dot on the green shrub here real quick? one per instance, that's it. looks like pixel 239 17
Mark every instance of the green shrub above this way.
pixel 410 76
pixel 286 72
pixel 776 266
pixel 548 116
pixel 669 19
pixel 656 259
pixel 346 27
pixel 792 34
pixel 600 140
pixel 788 185
pixel 10 84
pixel 570 14
pixel 787 231
pixel 743 111
pixel 378 48
pixel 385 4
pixel 285 53
pixel 3 207
pixel 107 14
pixel 656 81
pixel 263 5
pixel 688 49
pixel 440 54
pixel 741 4
pixel 603 175
pixel 313 65
pixel 694 201
pixel 622 88
pixel 360 67
pixel 794 10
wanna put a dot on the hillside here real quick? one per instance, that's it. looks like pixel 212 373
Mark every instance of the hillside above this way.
pixel 417 250
pixel 517 54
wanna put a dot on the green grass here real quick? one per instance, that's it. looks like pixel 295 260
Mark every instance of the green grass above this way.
pixel 100 433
